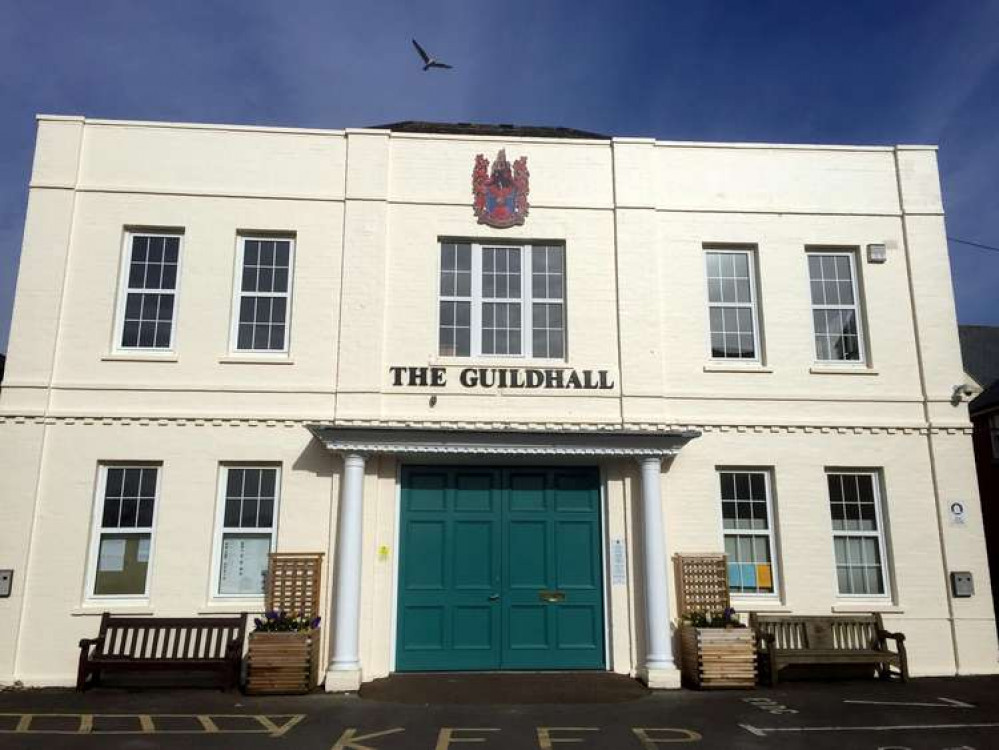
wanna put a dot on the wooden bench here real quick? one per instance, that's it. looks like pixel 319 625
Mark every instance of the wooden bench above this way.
pixel 787 640
pixel 148 644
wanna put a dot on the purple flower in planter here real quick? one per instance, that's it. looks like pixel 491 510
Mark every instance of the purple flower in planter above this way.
pixel 315 622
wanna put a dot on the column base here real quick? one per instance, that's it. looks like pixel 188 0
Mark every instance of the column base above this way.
pixel 658 678
pixel 343 680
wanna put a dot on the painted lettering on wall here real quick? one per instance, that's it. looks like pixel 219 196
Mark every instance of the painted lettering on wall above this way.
pixel 504 378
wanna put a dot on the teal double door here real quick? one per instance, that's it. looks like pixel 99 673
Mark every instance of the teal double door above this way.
pixel 500 568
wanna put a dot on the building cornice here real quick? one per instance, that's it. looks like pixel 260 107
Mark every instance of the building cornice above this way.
pixel 596 428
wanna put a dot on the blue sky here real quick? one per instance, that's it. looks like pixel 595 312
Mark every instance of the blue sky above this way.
pixel 877 72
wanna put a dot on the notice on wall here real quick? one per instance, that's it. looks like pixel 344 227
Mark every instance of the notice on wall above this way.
pixel 112 557
pixel 142 555
pixel 244 561
pixel 619 563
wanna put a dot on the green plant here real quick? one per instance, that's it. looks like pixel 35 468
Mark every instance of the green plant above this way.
pixel 727 618
pixel 282 622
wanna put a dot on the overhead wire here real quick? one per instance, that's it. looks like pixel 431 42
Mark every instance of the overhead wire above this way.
pixel 979 245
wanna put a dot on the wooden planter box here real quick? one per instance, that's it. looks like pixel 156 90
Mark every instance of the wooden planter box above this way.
pixel 718 657
pixel 283 663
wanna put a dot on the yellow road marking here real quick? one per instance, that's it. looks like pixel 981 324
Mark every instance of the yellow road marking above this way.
pixel 279 731
pixel 147 724
pixel 206 721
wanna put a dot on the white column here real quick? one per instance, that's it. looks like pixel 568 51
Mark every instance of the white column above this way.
pixel 344 671
pixel 659 670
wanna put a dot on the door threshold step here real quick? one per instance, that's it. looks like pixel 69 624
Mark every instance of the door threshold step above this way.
pixel 504 688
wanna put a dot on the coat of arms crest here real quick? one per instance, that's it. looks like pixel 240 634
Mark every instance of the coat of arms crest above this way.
pixel 500 196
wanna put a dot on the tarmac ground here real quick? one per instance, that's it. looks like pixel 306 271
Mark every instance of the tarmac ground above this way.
pixel 924 714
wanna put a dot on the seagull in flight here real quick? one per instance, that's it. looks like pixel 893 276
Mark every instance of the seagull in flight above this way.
pixel 428 61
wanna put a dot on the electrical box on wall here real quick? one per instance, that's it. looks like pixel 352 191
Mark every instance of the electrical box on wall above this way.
pixel 6 582
pixel 962 585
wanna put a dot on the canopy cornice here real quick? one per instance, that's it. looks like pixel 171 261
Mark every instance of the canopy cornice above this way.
pixel 451 442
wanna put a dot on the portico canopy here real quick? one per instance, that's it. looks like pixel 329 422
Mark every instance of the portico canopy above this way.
pixel 407 441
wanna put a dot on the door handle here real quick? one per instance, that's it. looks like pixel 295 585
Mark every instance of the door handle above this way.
pixel 494 597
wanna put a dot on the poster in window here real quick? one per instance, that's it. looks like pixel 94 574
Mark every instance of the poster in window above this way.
pixel 112 556
pixel 244 562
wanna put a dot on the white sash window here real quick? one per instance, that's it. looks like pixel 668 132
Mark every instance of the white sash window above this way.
pixel 858 533
pixel 835 307
pixel 147 313
pixel 502 300
pixel 247 528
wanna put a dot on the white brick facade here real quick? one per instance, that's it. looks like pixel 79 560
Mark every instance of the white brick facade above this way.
pixel 367 210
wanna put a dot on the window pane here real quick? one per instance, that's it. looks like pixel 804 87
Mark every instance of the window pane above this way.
pixel 122 564
pixel 232 511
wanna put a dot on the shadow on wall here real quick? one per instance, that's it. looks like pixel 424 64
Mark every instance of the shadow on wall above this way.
pixel 317 460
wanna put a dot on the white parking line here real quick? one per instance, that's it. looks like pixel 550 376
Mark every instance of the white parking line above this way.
pixel 764 731
pixel 947 703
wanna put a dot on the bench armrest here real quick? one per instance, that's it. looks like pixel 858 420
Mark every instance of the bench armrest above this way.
pixel 234 648
pixel 897 637
pixel 767 639
pixel 86 643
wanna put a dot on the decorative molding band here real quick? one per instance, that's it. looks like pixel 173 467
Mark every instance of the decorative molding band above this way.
pixel 539 427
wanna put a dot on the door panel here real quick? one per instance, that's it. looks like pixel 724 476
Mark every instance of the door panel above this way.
pixel 450 535
pixel 501 569
pixel 554 583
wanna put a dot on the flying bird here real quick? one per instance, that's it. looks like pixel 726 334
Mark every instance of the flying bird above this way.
pixel 428 61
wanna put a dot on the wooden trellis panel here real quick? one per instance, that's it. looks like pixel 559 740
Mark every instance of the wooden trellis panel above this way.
pixel 701 583
pixel 294 582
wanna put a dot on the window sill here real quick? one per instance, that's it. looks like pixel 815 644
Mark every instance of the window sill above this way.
pixel 115 608
pixel 875 606
pixel 255 606
pixel 259 359
pixel 843 370
pixel 773 607
pixel 719 367
pixel 141 357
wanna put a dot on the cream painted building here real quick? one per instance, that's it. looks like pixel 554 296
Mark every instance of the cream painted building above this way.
pixel 229 340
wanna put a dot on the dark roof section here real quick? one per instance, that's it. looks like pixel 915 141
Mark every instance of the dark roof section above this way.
pixel 980 352
pixel 472 128
pixel 986 401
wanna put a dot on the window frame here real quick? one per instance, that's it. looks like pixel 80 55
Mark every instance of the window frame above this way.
pixel 237 294
pixel 853 256
pixel 476 300
pixel 750 251
pixel 97 530
pixel 124 267
pixel 770 532
pixel 215 579
pixel 880 517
